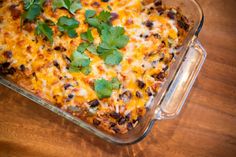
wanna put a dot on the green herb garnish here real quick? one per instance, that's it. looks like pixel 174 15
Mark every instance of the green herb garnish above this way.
pixel 33 9
pixel 71 5
pixel 44 30
pixel 82 47
pixel 80 62
pixel 87 36
pixel 68 25
pixel 104 88
pixel 100 22
pixel 113 38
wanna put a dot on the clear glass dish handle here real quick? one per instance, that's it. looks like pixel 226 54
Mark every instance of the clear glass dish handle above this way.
pixel 178 91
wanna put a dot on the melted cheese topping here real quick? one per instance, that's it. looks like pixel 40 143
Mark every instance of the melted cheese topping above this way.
pixel 148 54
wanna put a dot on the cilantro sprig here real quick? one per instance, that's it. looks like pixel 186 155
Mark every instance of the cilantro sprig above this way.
pixel 68 25
pixel 44 30
pixel 33 9
pixel 113 38
pixel 71 5
pixel 104 88
pixel 100 21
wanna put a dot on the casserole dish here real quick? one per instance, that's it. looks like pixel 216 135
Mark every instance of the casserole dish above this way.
pixel 169 99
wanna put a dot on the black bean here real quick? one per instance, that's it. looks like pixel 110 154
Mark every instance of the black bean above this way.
pixel 182 24
pixel 160 10
pixel 138 94
pixel 166 68
pixel 171 15
pixel 70 96
pixel 114 16
pixel 22 67
pixel 60 48
pixel 159 77
pixel 138 119
pixel 149 24
pixel 141 84
pixel 112 124
pixel 7 54
pixel 96 4
pixel 126 96
pixel 149 92
pixel 158 2
pixel 105 0
pixel 66 86
pixel 127 117
pixel 121 121
pixel 56 64
pixel 116 129
pixel 129 126
pixel 115 115
pixel 93 103
pixel 96 122
pixel 156 35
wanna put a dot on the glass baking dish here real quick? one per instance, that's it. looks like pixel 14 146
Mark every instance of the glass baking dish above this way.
pixel 171 97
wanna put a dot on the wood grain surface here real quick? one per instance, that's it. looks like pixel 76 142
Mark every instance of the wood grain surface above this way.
pixel 206 126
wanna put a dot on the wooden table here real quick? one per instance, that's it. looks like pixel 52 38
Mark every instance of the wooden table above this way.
pixel 206 126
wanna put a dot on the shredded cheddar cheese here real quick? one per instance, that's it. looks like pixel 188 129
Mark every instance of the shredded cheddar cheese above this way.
pixel 42 67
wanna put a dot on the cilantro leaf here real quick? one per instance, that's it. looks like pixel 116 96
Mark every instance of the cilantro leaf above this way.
pixel 86 46
pixel 79 59
pixel 87 36
pixel 33 9
pixel 113 58
pixel 44 30
pixel 80 62
pixel 114 36
pixel 104 16
pixel 112 39
pixel 75 5
pixel 103 88
pixel 115 83
pixel 90 13
pixel 100 22
pixel 86 70
pixel 92 48
pixel 66 24
pixel 71 5
pixel 82 47
pixel 33 12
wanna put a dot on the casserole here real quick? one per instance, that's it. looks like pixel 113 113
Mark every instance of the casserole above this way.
pixel 182 73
